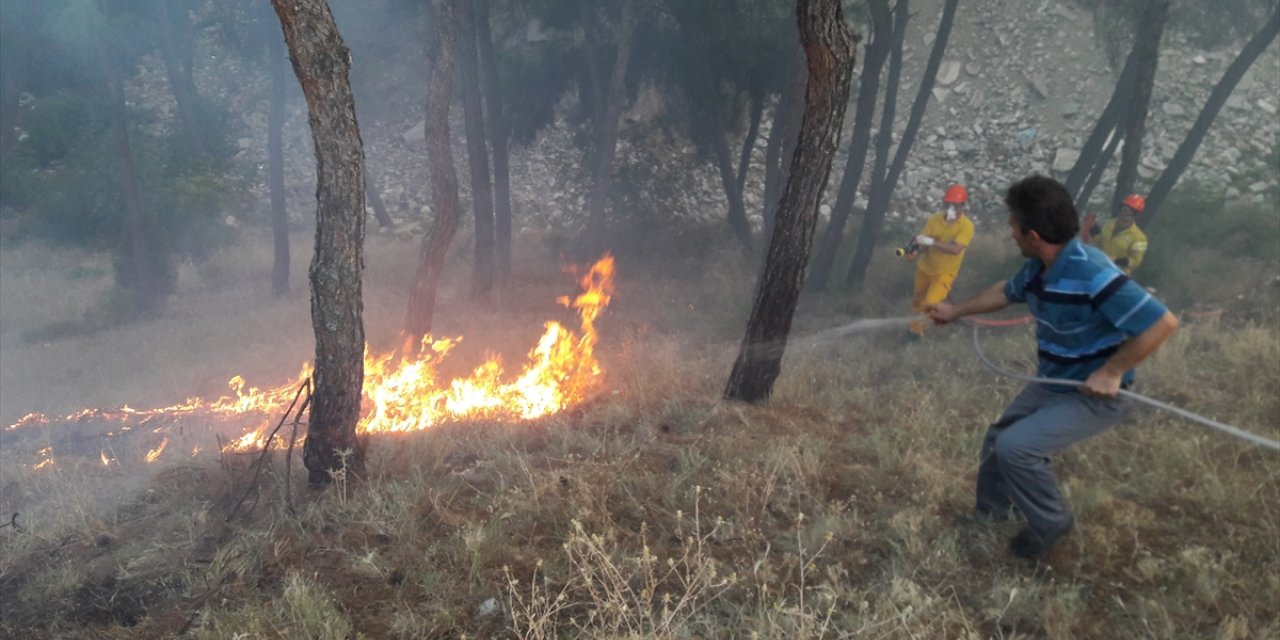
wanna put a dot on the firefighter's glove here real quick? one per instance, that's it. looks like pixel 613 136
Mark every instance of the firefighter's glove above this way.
pixel 924 241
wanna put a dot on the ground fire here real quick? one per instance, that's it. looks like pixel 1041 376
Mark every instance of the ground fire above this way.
pixel 400 394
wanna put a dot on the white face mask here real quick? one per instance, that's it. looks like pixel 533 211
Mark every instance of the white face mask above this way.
pixel 952 213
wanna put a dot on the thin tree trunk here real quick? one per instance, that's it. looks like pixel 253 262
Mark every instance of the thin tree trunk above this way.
pixel 444 179
pixel 749 142
pixel 709 115
pixel 869 87
pixel 146 284
pixel 1111 114
pixel 1100 167
pixel 499 136
pixel 13 69
pixel 879 202
pixel 868 233
pixel 477 153
pixel 728 181
pixel 790 135
pixel 829 50
pixel 375 201
pixel 1217 98
pixel 773 154
pixel 1150 29
pixel 276 59
pixel 322 63
pixel 184 92
pixel 606 129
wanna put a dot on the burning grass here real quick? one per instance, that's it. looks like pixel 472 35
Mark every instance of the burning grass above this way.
pixel 653 509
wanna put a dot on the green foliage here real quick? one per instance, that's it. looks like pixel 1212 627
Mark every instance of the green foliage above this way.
pixel 1204 250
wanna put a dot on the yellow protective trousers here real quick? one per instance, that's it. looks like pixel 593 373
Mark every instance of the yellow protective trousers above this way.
pixel 931 288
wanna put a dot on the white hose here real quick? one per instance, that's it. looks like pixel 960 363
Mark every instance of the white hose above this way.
pixel 1208 422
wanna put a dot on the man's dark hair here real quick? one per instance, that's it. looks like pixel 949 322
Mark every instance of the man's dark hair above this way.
pixel 1043 205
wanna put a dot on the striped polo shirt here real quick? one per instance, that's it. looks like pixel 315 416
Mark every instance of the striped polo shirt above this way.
pixel 1084 307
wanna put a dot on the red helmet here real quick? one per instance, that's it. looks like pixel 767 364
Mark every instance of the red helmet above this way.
pixel 956 194
pixel 1135 202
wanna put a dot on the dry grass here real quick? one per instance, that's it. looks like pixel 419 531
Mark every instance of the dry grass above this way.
pixel 652 511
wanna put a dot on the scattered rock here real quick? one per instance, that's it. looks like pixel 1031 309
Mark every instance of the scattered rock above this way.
pixel 1172 109
pixel 1064 159
pixel 948 73
pixel 487 608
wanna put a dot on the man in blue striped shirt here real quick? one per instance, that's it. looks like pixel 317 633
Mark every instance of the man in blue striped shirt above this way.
pixel 1093 325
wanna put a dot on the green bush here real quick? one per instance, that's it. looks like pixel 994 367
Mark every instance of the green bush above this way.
pixel 1204 251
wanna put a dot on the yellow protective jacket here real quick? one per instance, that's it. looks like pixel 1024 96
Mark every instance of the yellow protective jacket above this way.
pixel 934 261
pixel 1125 247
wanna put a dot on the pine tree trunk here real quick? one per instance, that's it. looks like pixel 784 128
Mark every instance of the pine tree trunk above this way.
pixel 1100 167
pixel 148 288
pixel 322 63
pixel 444 179
pixel 1113 113
pixel 1150 29
pixel 499 136
pixel 789 136
pixel 879 202
pixel 276 60
pixel 477 154
pixel 13 70
pixel 749 142
pixel 375 201
pixel 829 51
pixel 606 128
pixel 868 89
pixel 868 234
pixel 184 91
pixel 1217 98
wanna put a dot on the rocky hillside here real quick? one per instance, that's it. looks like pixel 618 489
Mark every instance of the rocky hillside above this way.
pixel 1018 91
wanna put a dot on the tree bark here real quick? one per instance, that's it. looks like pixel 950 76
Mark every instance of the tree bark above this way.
pixel 477 153
pixel 184 90
pixel 749 142
pixel 879 201
pixel 499 137
pixel 1111 114
pixel 789 135
pixel 1150 29
pixel 1100 167
pixel 606 129
pixel 375 201
pixel 322 63
pixel 276 59
pixel 13 68
pixel 1217 98
pixel 148 288
pixel 444 179
pixel 869 232
pixel 829 51
pixel 872 64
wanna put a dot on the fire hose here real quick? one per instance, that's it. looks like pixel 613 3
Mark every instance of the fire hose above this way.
pixel 977 323
pixel 1208 422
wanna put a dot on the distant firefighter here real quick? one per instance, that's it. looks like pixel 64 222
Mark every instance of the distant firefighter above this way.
pixel 1120 238
pixel 945 237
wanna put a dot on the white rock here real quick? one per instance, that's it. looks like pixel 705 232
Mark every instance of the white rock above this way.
pixel 940 94
pixel 1065 158
pixel 1269 108
pixel 948 73
pixel 825 210
pixel 1199 60
pixel 416 132
pixel 1258 187
pixel 1172 109
pixel 487 608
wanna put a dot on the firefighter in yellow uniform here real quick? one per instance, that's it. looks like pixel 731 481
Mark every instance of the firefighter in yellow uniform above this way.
pixel 1120 238
pixel 945 237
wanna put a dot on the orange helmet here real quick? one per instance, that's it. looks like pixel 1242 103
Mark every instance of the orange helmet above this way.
pixel 1135 202
pixel 956 194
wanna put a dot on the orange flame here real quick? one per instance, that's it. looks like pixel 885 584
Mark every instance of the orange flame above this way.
pixel 402 394
pixel 154 454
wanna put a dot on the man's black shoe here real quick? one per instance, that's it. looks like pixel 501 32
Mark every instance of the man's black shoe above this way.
pixel 1028 544
pixel 993 515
